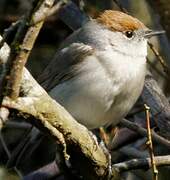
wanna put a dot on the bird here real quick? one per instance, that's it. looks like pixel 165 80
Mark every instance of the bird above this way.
pixel 98 72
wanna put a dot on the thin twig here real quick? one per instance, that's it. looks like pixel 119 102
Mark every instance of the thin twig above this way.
pixel 21 47
pixel 149 143
pixel 52 11
pixel 141 163
pixel 19 60
pixel 159 57
pixel 143 132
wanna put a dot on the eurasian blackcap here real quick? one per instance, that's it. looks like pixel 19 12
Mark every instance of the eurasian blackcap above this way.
pixel 98 73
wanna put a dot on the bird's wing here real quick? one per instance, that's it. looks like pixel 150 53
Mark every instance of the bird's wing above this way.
pixel 63 66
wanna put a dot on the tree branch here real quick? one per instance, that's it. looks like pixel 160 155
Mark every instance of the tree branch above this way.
pixel 141 163
pixel 143 132
pixel 49 115
pixel 19 60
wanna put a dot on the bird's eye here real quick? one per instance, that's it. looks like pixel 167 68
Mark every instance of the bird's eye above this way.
pixel 129 34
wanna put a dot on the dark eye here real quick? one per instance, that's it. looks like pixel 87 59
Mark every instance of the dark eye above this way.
pixel 129 34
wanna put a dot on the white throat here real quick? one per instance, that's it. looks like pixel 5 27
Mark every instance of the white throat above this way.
pixel 135 47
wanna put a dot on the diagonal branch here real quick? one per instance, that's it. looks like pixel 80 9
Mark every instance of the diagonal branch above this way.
pixel 48 115
pixel 21 55
pixel 143 132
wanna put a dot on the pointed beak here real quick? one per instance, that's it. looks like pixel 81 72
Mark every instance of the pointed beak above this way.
pixel 149 33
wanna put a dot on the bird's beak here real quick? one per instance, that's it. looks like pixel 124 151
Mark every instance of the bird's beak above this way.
pixel 149 33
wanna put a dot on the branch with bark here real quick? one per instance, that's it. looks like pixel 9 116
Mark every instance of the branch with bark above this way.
pixel 142 163
pixel 44 112
pixel 39 109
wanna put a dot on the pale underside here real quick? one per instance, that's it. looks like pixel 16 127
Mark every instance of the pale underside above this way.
pixel 97 86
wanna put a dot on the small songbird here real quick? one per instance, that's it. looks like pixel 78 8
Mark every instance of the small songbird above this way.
pixel 98 72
